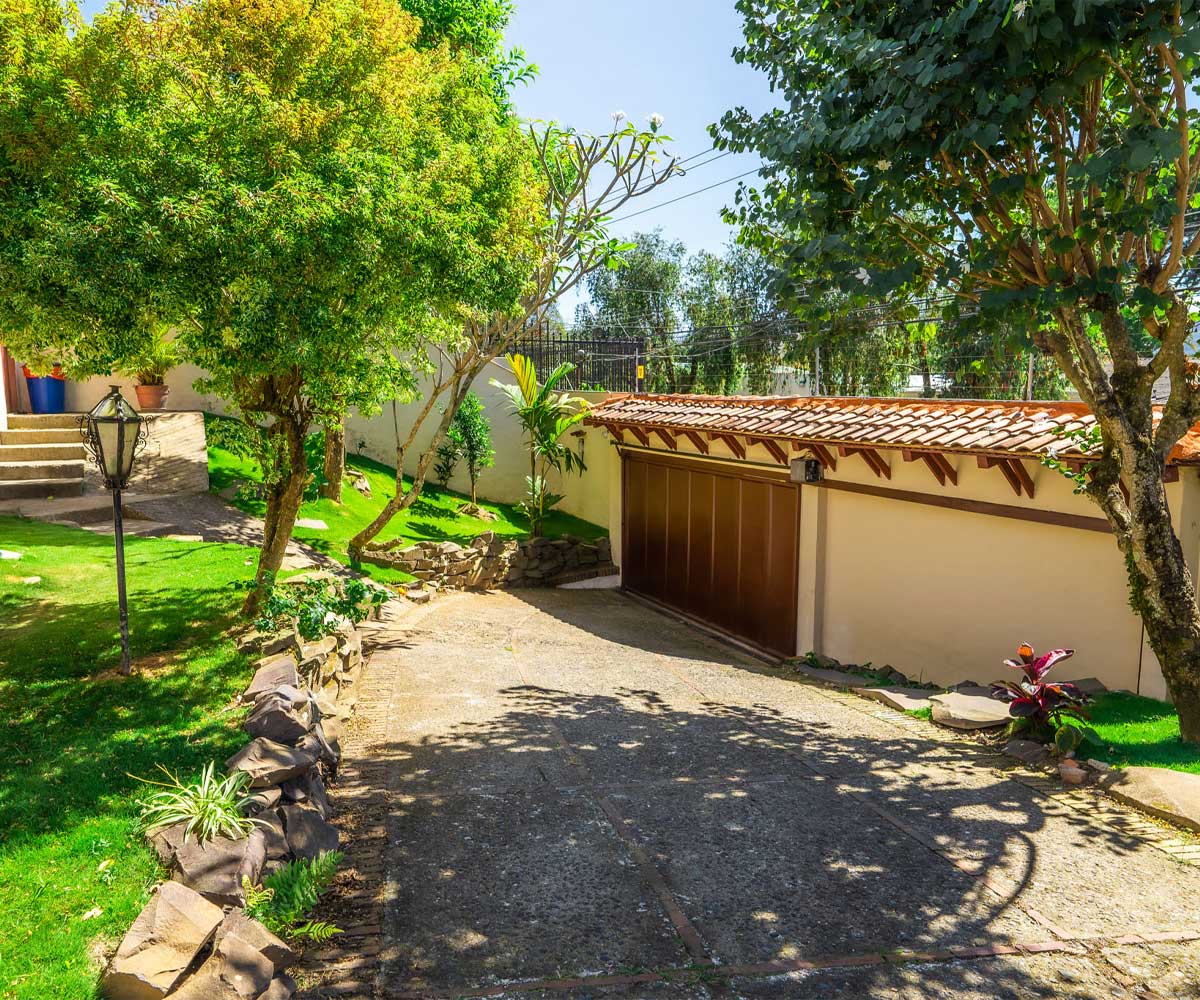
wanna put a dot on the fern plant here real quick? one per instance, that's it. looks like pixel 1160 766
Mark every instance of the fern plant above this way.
pixel 286 897
pixel 211 806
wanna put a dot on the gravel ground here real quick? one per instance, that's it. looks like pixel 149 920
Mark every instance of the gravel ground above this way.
pixel 576 786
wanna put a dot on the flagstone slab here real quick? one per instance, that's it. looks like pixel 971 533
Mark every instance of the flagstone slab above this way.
pixel 1159 791
pixel 899 698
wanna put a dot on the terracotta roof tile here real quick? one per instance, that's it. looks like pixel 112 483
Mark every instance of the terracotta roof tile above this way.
pixel 997 428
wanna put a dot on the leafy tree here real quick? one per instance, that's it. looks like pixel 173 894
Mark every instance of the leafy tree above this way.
pixel 640 300
pixel 585 179
pixel 545 415
pixel 295 185
pixel 470 435
pixel 1037 158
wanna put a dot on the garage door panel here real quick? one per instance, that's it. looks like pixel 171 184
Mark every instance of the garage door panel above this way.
pixel 700 543
pixel 727 507
pixel 678 530
pixel 633 556
pixel 715 545
pixel 755 553
pixel 656 528
pixel 783 568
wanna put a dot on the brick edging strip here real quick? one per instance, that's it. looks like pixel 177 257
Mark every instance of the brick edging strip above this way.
pixel 1020 949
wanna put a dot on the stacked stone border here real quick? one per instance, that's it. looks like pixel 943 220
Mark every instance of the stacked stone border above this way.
pixel 492 561
pixel 193 940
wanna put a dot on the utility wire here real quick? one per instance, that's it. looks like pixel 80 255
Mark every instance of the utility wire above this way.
pixel 684 197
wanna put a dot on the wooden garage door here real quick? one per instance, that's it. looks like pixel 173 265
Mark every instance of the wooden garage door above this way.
pixel 718 545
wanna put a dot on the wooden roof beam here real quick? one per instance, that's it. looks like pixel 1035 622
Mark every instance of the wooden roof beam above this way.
pixel 641 435
pixel 1013 471
pixel 938 464
pixel 774 447
pixel 818 451
pixel 731 442
pixel 698 441
pixel 667 437
pixel 616 432
pixel 874 460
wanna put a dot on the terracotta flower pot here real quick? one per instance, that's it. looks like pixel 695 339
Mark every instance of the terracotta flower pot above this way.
pixel 150 397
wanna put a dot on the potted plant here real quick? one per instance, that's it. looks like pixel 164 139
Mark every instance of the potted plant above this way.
pixel 48 391
pixel 150 368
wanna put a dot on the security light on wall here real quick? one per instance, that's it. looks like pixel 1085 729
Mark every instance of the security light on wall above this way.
pixel 814 471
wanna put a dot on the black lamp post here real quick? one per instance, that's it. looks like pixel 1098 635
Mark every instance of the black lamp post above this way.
pixel 113 433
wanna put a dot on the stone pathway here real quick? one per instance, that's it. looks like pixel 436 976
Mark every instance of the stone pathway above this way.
pixel 564 794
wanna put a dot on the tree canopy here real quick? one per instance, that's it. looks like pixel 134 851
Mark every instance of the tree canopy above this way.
pixel 298 187
pixel 1037 158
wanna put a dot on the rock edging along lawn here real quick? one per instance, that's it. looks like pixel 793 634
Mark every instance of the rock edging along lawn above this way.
pixel 491 561
pixel 193 941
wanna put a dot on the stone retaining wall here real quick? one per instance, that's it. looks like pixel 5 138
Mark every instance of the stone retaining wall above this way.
pixel 491 561
pixel 193 941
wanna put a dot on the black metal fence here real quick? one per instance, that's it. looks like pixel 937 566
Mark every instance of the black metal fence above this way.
pixel 609 365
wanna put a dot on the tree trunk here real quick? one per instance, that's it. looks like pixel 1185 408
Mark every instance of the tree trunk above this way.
pixel 1161 586
pixel 335 462
pixel 283 504
pixel 405 498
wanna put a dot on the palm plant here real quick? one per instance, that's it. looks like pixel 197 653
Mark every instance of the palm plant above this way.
pixel 545 415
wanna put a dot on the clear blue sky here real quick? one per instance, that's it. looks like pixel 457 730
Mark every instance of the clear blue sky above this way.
pixel 673 58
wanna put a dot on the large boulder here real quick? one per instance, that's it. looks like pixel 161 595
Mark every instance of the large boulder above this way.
pixel 270 763
pixel 167 841
pixel 245 958
pixel 308 788
pixel 308 832
pixel 972 709
pixel 282 987
pixel 274 840
pixel 1170 795
pixel 282 714
pixel 272 673
pixel 163 942
pixel 237 925
pixel 215 868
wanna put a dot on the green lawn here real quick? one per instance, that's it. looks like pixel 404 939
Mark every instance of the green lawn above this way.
pixel 73 870
pixel 434 515
pixel 1141 731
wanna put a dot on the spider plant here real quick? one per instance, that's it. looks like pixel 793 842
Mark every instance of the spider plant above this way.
pixel 211 806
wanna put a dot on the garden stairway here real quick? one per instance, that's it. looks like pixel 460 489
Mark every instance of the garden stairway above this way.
pixel 41 456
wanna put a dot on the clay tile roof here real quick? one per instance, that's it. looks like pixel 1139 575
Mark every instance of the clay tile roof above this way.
pixel 1004 428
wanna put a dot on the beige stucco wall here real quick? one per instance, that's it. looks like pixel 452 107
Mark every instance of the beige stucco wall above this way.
pixel 587 496
pixel 944 595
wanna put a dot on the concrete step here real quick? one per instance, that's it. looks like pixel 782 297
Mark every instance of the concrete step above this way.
pixel 56 452
pixel 52 469
pixel 49 435
pixel 37 489
pixel 43 421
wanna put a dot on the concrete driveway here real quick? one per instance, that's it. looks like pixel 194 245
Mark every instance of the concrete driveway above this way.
pixel 581 797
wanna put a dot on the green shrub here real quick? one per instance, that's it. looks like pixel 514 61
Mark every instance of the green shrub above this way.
pixel 210 806
pixel 318 607
pixel 285 898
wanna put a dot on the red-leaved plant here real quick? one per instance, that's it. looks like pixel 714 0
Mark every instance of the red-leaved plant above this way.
pixel 1048 710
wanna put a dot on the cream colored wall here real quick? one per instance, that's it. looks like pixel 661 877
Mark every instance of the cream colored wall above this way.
pixel 182 395
pixel 944 595
pixel 586 496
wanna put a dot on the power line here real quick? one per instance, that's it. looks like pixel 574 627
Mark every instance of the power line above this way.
pixel 684 197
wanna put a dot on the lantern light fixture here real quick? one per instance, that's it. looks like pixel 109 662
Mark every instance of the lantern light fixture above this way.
pixel 113 434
